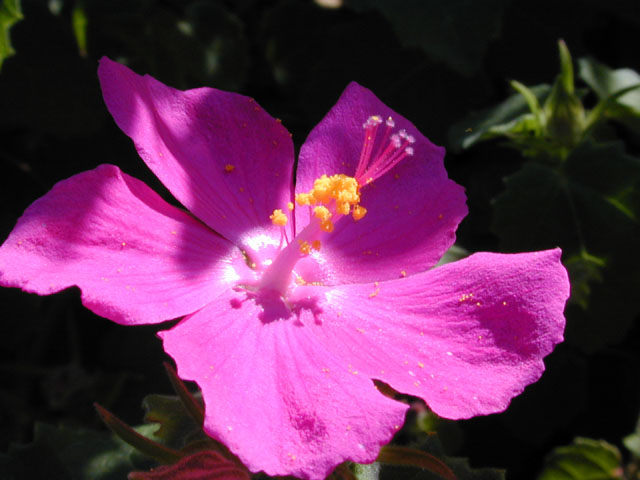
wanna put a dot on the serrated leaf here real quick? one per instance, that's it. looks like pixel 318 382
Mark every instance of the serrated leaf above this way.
pixel 512 115
pixel 589 204
pixel 585 459
pixel 457 32
pixel 10 13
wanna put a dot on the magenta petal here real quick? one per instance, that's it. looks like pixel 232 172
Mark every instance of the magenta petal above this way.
pixel 136 258
pixel 466 337
pixel 412 211
pixel 220 154
pixel 275 396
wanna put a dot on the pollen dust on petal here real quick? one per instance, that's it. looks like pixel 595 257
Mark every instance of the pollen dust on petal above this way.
pixel 376 291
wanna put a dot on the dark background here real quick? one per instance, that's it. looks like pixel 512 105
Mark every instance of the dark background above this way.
pixel 433 62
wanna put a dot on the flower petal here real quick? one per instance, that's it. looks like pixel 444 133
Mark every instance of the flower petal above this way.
pixel 466 337
pixel 220 154
pixel 136 258
pixel 275 396
pixel 412 211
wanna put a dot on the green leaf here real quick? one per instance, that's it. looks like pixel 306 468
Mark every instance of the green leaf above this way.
pixel 192 405
pixel 369 471
pixel 457 32
pixel 431 445
pixel 63 453
pixel 529 96
pixel 142 443
pixel 79 23
pixel 584 269
pixel 632 442
pixel 563 111
pixel 454 254
pixel 177 427
pixel 404 456
pixel 511 116
pixel 588 206
pixel 606 82
pixel 585 459
pixel 566 67
pixel 10 13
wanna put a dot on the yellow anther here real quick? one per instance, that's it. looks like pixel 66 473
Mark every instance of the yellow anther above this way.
pixel 278 218
pixel 305 248
pixel 229 168
pixel 327 226
pixel 316 245
pixel 358 212
pixel 290 206
pixel 304 198
pixel 341 188
pixel 343 208
pixel 322 213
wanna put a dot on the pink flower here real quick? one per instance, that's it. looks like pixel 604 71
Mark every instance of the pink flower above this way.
pixel 290 315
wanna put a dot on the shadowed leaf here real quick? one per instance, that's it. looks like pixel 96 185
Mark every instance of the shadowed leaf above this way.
pixel 10 13
pixel 583 460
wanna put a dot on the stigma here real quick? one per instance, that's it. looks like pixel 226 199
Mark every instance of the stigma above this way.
pixel 382 149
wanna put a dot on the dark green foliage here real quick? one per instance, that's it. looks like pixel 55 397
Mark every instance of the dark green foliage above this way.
pixel 10 13
pixel 585 459
pixel 71 454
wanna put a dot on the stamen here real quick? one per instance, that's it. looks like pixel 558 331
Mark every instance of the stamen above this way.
pixel 390 148
pixel 303 199
pixel 330 198
pixel 324 215
pixel 305 248
pixel 278 218
pixel 358 212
